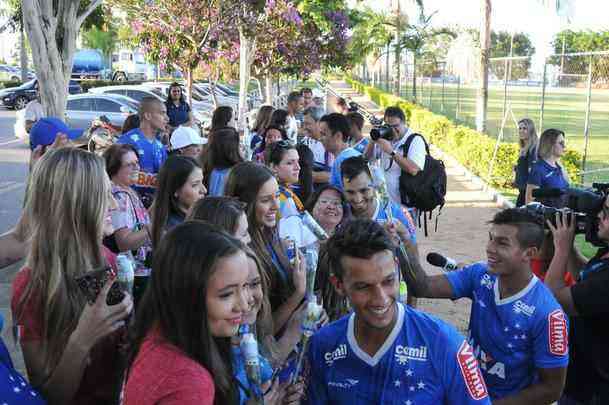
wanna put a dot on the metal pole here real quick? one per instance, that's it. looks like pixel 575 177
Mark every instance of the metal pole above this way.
pixel 443 86
pixel 457 110
pixel 587 123
pixel 543 95
pixel 430 93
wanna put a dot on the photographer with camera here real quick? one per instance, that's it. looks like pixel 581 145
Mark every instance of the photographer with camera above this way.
pixel 587 304
pixel 391 138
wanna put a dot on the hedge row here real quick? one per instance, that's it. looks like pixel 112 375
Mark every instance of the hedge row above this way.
pixel 88 84
pixel 7 84
pixel 471 148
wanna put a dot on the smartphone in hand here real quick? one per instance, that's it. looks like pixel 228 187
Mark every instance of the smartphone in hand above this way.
pixel 91 283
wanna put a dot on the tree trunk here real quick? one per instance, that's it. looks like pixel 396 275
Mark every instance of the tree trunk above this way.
pixel 398 59
pixel 212 88
pixel 52 28
pixel 23 55
pixel 247 48
pixel 188 72
pixel 482 91
pixel 268 89
pixel 387 67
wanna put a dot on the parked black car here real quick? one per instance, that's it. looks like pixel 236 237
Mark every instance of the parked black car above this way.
pixel 18 97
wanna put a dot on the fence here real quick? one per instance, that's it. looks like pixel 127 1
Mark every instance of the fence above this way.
pixel 568 92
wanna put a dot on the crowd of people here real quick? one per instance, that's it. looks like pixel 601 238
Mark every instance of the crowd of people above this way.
pixel 219 232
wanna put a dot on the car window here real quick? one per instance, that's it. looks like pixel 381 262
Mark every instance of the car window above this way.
pixel 116 91
pixel 103 105
pixel 137 94
pixel 80 104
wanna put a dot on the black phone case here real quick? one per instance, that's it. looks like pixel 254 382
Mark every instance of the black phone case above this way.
pixel 92 283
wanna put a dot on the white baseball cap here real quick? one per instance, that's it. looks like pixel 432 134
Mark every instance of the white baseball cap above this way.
pixel 185 136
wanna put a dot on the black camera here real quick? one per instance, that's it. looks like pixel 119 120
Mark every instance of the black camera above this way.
pixel 381 131
pixel 581 204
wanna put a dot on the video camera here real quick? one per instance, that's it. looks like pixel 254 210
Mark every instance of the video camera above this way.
pixel 581 204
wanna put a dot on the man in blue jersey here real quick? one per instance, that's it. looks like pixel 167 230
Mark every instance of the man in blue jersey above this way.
pixel 360 193
pixel 151 152
pixel 385 352
pixel 517 328
pixel 334 130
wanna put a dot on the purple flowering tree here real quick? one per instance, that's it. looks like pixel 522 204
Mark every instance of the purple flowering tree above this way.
pixel 176 33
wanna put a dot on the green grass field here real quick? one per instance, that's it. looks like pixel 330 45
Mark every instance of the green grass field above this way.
pixel 565 109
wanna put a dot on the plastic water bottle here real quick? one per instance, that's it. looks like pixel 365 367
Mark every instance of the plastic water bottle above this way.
pixel 249 350
pixel 126 272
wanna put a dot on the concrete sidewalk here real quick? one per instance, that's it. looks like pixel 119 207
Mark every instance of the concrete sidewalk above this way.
pixel 462 225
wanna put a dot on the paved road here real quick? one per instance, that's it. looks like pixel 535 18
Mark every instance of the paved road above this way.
pixel 14 155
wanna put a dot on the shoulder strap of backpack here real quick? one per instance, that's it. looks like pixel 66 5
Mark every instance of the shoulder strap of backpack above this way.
pixel 409 140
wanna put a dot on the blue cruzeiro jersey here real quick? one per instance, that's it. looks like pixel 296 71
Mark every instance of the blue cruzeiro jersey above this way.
pixel 380 216
pixel 152 153
pixel 423 361
pixel 513 336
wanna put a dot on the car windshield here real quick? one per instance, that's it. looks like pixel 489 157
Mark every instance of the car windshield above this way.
pixel 28 84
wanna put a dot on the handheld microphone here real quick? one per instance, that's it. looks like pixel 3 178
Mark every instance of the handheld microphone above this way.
pixel 446 263
pixel 548 193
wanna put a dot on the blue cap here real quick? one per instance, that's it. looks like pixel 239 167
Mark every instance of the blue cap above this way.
pixel 45 131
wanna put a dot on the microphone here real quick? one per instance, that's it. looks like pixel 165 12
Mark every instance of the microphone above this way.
pixel 447 264
pixel 548 192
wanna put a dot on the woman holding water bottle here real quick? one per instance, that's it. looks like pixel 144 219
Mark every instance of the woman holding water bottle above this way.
pixel 255 185
pixel 195 301
pixel 70 346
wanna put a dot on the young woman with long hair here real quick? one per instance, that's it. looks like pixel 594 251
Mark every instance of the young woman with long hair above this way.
pixel 283 160
pixel 527 156
pixel 263 120
pixel 195 301
pixel 222 117
pixel 70 347
pixel 228 213
pixel 179 186
pixel 272 134
pixel 547 171
pixel 223 153
pixel 178 109
pixel 255 185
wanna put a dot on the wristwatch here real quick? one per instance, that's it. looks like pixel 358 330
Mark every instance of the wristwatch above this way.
pixel 392 154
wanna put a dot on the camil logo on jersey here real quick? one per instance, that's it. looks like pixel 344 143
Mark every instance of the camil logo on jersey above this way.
pixel 522 308
pixel 471 373
pixel 405 353
pixel 339 353
pixel 557 334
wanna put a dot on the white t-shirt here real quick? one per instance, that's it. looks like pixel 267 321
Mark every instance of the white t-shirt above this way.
pixel 319 152
pixel 292 128
pixel 33 111
pixel 416 153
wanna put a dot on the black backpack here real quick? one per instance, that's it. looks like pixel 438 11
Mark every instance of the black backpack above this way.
pixel 426 190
